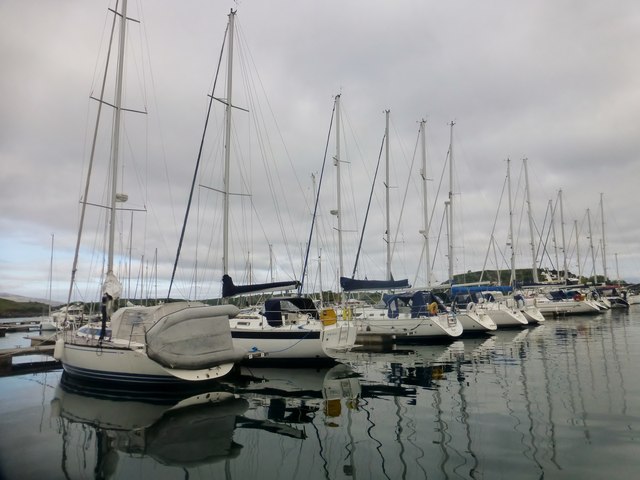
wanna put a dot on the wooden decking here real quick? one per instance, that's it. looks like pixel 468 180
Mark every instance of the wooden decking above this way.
pixel 40 345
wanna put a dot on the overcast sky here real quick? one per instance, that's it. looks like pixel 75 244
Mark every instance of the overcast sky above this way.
pixel 556 82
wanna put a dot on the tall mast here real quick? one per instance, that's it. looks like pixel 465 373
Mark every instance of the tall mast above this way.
pixel 338 211
pixel 450 205
pixel 315 193
pixel 534 266
pixel 564 245
pixel 388 219
pixel 51 273
pixel 593 255
pixel 552 209
pixel 116 138
pixel 83 208
pixel 227 146
pixel 423 174
pixel 604 248
pixel 512 280
pixel 575 223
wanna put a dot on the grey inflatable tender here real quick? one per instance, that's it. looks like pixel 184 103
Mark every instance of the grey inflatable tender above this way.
pixel 184 335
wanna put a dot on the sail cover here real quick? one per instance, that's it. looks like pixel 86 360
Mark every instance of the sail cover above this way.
pixel 112 286
pixel 352 284
pixel 480 288
pixel 229 289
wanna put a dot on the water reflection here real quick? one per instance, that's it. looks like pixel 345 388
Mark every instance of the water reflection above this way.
pixel 98 424
pixel 549 401
pixel 292 396
pixel 187 429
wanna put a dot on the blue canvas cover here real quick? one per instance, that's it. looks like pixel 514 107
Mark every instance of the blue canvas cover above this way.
pixel 352 284
pixel 230 290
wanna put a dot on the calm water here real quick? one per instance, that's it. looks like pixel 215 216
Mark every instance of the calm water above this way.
pixel 556 401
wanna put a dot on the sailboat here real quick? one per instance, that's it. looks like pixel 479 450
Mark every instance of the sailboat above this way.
pixel 48 323
pixel 503 310
pixel 474 321
pixel 406 315
pixel 282 328
pixel 163 344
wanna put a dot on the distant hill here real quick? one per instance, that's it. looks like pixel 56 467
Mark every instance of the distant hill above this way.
pixel 21 299
pixel 524 276
pixel 13 309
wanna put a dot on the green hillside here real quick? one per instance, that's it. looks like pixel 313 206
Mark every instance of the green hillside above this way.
pixel 11 309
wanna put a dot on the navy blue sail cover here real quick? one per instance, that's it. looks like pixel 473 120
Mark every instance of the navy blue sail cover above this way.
pixel 351 284
pixel 229 289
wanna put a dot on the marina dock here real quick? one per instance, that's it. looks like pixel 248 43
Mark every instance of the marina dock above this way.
pixel 42 345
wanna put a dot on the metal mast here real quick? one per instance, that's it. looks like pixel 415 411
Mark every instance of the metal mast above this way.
pixel 564 245
pixel 227 146
pixel 512 280
pixel 450 206
pixel 338 211
pixel 534 267
pixel 423 174
pixel 116 138
pixel 318 248
pixel 388 220
pixel 575 226
pixel 604 251
pixel 593 255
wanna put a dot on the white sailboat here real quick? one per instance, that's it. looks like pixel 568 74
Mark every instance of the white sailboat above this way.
pixel 48 323
pixel 557 301
pixel 164 344
pixel 282 329
pixel 410 315
pixel 473 320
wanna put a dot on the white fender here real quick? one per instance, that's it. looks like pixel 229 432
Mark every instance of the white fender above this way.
pixel 58 350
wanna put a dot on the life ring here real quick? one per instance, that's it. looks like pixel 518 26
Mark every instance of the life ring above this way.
pixel 433 308
pixel 471 307
pixel 576 297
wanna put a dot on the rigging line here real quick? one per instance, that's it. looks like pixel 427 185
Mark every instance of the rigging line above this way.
pixel 197 167
pixel 570 250
pixel 440 183
pixel 433 211
pixel 266 147
pixel 250 57
pixel 154 101
pixel 404 198
pixel 442 226
pixel 366 215
pixel 493 230
pixel 522 214
pixel 74 268
pixel 540 251
pixel 552 211
pixel 583 265
pixel 346 150
pixel 315 208
pixel 515 241
pixel 418 264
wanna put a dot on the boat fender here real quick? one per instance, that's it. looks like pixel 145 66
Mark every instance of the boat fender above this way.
pixel 58 349
pixel 471 307
pixel 433 308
